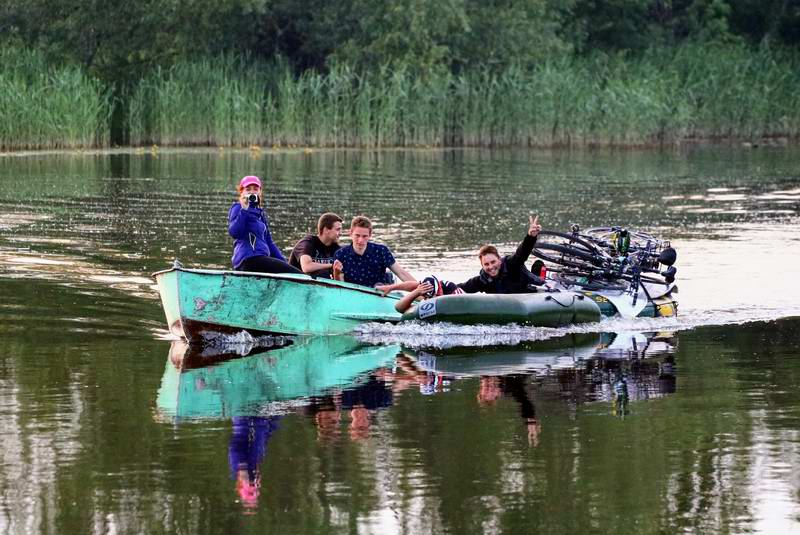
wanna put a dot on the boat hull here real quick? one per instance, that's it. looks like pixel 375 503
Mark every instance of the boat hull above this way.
pixel 198 302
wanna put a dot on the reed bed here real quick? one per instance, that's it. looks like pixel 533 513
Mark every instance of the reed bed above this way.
pixel 217 101
pixel 661 97
pixel 46 107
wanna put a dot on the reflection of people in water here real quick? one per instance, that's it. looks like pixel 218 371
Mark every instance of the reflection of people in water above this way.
pixel 327 415
pixel 363 401
pixel 246 451
pixel 359 403
pixel 412 371
pixel 493 388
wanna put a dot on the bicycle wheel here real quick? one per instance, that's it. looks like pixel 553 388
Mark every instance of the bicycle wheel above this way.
pixel 592 284
pixel 568 250
pixel 564 238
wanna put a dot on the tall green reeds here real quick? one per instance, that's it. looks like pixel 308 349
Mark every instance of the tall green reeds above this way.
pixel 217 101
pixel 661 97
pixel 46 107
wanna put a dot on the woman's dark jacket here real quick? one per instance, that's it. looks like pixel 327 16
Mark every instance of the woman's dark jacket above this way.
pixel 250 230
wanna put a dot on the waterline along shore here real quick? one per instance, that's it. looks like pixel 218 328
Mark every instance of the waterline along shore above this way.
pixel 664 97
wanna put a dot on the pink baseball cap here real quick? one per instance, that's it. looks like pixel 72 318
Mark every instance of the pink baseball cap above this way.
pixel 249 180
pixel 248 492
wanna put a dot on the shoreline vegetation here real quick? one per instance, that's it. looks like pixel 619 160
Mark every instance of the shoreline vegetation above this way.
pixel 663 97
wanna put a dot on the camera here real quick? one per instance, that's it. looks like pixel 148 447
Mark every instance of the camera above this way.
pixel 253 199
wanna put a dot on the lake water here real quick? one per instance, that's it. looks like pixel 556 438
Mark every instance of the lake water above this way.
pixel 630 426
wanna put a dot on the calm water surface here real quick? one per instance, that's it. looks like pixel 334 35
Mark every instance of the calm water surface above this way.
pixel 644 426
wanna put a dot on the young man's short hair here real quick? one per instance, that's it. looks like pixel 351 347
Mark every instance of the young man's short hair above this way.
pixel 488 249
pixel 361 221
pixel 326 221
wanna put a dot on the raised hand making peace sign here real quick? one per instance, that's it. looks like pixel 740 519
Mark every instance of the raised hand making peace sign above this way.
pixel 535 227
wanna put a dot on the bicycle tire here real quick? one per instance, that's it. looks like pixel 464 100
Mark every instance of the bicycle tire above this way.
pixel 572 239
pixel 563 261
pixel 567 250
pixel 598 285
pixel 572 250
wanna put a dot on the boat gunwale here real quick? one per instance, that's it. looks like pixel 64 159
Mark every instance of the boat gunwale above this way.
pixel 303 279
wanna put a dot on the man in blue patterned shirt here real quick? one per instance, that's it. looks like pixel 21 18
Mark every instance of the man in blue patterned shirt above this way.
pixel 365 262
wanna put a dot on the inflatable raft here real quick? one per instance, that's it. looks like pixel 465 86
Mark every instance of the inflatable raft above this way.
pixel 542 309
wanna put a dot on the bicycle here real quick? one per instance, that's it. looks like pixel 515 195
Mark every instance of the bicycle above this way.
pixel 607 258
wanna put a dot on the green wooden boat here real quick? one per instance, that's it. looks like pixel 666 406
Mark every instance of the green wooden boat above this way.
pixel 198 301
pixel 268 381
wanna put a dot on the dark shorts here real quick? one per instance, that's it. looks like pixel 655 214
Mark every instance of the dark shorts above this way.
pixel 266 264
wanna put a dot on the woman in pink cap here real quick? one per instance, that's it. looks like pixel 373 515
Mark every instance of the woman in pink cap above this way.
pixel 248 225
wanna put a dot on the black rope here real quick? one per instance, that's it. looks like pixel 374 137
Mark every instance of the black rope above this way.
pixel 551 298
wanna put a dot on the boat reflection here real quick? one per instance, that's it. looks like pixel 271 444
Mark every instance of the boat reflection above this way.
pixel 578 368
pixel 270 380
pixel 608 367
pixel 255 386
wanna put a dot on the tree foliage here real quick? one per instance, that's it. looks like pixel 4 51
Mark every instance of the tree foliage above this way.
pixel 120 41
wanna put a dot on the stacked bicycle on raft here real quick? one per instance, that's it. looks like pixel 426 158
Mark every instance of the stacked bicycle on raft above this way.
pixel 626 272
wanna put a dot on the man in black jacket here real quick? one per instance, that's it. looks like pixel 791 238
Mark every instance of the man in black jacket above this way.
pixel 509 274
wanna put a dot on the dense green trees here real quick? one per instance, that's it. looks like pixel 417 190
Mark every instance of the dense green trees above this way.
pixel 119 40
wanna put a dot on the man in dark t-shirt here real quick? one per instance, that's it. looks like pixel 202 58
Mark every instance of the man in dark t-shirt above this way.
pixel 314 254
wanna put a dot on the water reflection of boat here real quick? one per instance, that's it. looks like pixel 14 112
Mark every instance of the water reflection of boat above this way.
pixel 539 356
pixel 591 366
pixel 185 356
pixel 267 381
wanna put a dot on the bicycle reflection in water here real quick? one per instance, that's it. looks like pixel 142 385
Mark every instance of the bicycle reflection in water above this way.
pixel 579 368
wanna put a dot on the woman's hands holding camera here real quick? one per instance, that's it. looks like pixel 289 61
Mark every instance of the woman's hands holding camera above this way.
pixel 248 199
